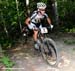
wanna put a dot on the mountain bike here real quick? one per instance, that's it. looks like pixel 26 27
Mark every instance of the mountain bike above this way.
pixel 47 47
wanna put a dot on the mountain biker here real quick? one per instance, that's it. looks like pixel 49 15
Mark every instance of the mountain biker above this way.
pixel 35 20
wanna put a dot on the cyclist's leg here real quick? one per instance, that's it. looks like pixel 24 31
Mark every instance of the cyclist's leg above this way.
pixel 31 25
pixel 36 46
pixel 35 35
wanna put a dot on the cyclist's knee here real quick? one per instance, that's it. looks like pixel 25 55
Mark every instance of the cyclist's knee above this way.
pixel 35 32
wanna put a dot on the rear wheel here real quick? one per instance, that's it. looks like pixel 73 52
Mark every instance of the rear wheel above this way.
pixel 49 51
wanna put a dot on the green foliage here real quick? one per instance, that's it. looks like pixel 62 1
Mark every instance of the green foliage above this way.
pixel 70 42
pixel 66 11
pixel 73 49
pixel 45 1
pixel 6 43
pixel 6 61
pixel 9 21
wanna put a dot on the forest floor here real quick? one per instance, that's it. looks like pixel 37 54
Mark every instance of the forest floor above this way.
pixel 26 60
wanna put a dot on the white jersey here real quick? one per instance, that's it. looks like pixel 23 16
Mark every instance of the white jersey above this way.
pixel 36 18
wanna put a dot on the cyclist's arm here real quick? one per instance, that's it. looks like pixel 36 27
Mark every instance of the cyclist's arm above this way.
pixel 49 20
pixel 27 21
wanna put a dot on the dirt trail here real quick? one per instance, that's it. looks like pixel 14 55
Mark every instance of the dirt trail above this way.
pixel 26 60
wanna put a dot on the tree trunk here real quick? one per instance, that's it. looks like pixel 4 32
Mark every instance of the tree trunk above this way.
pixel 5 29
pixel 18 15
pixel 54 5
pixel 27 6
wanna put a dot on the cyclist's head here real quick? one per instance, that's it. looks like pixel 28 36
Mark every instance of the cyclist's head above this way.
pixel 41 7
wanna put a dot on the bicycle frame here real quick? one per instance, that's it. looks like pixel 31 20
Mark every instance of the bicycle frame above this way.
pixel 41 36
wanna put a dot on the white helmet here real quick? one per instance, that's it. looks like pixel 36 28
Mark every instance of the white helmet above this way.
pixel 41 5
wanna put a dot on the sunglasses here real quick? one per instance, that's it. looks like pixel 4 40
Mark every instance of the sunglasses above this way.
pixel 42 9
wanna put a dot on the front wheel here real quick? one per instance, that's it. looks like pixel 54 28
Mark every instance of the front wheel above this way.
pixel 49 51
